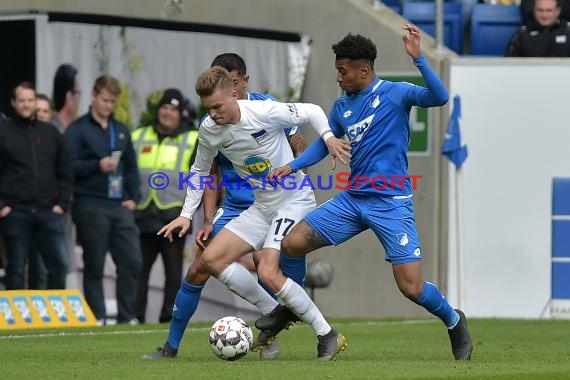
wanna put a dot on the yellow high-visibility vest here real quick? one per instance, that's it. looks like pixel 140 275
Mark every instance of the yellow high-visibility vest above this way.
pixel 171 157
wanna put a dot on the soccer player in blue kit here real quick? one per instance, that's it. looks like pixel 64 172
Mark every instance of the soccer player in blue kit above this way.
pixel 374 115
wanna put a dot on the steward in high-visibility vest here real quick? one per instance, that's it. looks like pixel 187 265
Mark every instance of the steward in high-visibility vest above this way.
pixel 164 150
pixel 167 155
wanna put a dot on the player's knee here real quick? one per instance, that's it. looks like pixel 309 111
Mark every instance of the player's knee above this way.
pixel 197 273
pixel 411 290
pixel 267 275
pixel 289 246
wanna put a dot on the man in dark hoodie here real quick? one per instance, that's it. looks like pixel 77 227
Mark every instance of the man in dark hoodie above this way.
pixel 547 36
pixel 168 146
pixel 106 194
pixel 35 190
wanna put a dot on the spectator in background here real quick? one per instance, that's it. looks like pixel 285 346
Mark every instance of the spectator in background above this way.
pixel 189 114
pixel 548 36
pixel 105 197
pixel 43 108
pixel 168 146
pixel 527 11
pixel 37 272
pixel 65 95
pixel 35 190
pixel 66 102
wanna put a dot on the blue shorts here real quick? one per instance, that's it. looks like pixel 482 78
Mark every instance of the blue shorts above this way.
pixel 392 220
pixel 223 217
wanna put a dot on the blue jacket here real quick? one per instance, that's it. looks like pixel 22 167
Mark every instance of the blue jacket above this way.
pixel 88 143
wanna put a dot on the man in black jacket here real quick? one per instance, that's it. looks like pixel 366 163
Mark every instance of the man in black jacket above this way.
pixel 105 197
pixel 547 36
pixel 35 190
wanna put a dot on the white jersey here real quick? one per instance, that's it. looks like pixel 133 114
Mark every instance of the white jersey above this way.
pixel 254 146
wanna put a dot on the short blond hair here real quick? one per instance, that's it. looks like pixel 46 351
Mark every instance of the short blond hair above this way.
pixel 213 78
pixel 109 83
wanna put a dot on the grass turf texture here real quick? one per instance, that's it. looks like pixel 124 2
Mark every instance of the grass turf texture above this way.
pixel 387 349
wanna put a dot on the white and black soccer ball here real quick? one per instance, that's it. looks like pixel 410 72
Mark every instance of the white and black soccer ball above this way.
pixel 230 338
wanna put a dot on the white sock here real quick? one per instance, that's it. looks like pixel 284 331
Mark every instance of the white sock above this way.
pixel 241 282
pixel 298 301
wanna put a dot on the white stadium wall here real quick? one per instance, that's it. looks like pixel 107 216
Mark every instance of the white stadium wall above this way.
pixel 516 126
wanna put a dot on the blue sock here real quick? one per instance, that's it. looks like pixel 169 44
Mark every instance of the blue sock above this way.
pixel 185 305
pixel 294 267
pixel 434 302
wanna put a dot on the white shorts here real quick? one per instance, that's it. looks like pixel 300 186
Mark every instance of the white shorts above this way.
pixel 261 229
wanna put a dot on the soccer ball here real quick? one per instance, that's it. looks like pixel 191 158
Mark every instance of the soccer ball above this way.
pixel 230 338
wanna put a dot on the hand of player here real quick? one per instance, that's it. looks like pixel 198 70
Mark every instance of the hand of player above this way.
pixel 412 40
pixel 203 235
pixel 180 222
pixel 279 173
pixel 338 148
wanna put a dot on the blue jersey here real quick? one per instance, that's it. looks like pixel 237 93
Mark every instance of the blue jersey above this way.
pixel 239 196
pixel 376 122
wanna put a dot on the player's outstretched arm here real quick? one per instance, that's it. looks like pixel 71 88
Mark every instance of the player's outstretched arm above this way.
pixel 435 94
pixel 181 222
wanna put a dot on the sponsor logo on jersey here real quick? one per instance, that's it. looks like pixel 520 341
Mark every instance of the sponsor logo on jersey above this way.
pixel 356 131
pixel 375 102
pixel 260 135
pixel 417 252
pixel 293 109
pixel 258 166
pixel 347 114
pixel 402 239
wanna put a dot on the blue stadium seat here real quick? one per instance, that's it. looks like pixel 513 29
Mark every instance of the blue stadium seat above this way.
pixel 492 27
pixel 423 15
pixel 392 4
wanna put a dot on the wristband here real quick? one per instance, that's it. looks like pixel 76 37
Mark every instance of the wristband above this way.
pixel 327 135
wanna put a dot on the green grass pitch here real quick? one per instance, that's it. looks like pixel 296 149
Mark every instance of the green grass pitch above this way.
pixel 378 349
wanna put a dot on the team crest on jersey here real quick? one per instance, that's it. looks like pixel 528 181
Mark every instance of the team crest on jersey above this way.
pixel 402 239
pixel 258 166
pixel 375 102
pixel 260 135
pixel 356 131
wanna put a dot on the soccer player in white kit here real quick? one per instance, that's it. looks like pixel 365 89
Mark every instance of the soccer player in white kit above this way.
pixel 250 134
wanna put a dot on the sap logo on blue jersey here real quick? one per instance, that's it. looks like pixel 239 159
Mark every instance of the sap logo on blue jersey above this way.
pixel 356 131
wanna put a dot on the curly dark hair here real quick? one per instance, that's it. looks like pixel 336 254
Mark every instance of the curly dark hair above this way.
pixel 355 47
